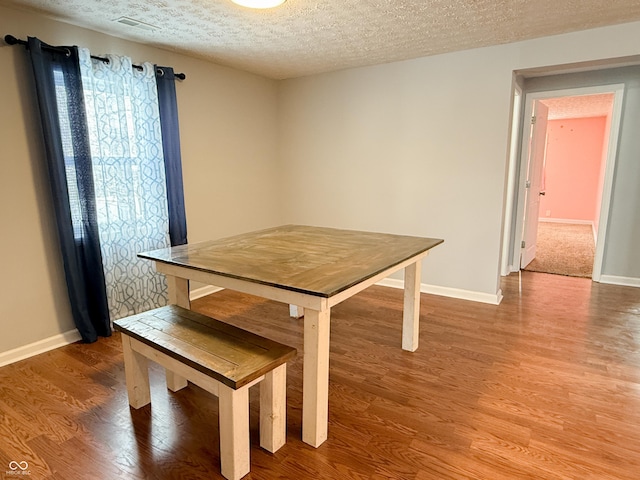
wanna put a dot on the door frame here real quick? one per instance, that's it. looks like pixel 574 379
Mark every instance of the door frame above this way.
pixel 514 223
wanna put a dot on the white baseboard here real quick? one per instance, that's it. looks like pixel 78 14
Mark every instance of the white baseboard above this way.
pixel 565 220
pixel 38 347
pixel 625 281
pixel 493 299
pixel 203 291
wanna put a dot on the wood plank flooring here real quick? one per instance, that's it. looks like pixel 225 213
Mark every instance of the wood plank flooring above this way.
pixel 544 386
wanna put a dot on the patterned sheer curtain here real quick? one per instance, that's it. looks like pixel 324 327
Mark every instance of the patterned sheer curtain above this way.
pixel 121 103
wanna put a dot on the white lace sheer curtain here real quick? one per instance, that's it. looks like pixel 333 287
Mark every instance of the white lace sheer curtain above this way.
pixel 129 178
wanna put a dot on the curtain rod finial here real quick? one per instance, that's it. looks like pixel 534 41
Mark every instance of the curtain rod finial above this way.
pixel 10 40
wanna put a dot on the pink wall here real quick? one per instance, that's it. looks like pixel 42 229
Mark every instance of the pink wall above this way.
pixel 573 169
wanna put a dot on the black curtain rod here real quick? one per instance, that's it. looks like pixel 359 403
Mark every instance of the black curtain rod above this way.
pixel 11 40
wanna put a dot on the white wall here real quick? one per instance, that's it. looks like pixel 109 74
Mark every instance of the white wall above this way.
pixel 394 148
pixel 228 136
pixel 420 147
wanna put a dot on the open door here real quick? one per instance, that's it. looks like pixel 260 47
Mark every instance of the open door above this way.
pixel 537 151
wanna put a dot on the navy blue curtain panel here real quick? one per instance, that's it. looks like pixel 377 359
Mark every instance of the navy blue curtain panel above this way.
pixel 59 94
pixel 165 80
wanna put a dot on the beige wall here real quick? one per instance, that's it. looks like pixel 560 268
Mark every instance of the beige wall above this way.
pixel 227 122
pixel 420 147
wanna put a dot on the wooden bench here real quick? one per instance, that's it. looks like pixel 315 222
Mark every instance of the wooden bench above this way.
pixel 220 358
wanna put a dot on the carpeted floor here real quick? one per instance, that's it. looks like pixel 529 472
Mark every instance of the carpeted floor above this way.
pixel 564 249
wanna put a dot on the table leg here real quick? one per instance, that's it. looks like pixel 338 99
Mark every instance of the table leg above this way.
pixel 178 290
pixel 411 311
pixel 295 311
pixel 315 386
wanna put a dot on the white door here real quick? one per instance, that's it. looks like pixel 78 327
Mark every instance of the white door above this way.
pixel 537 150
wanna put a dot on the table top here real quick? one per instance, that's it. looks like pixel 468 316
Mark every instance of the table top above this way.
pixel 312 260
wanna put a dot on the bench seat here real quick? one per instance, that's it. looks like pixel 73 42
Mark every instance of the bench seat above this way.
pixel 222 359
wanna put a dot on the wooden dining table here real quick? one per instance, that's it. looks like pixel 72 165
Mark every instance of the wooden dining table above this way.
pixel 309 268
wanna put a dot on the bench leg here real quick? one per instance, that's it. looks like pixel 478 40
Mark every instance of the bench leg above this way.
pixel 234 431
pixel 174 381
pixel 273 409
pixel 137 375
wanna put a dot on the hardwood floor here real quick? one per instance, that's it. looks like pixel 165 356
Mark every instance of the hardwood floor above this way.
pixel 544 386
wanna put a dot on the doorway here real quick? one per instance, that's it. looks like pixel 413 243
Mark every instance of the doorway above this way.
pixel 571 185
pixel 528 171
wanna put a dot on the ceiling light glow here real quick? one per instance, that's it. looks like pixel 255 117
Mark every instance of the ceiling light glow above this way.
pixel 259 3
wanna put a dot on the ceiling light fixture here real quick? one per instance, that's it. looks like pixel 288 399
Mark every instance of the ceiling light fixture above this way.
pixel 259 3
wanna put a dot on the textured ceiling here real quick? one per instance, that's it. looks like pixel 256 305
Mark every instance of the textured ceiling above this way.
pixel 580 106
pixel 305 37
